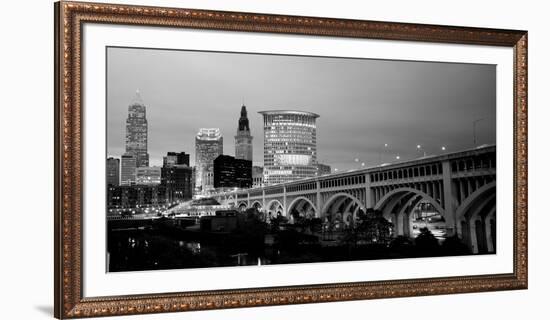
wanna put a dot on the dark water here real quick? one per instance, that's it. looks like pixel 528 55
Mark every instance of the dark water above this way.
pixel 153 246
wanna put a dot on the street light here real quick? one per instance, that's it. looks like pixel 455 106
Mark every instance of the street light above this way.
pixel 382 149
pixel 357 161
pixel 397 157
pixel 443 148
pixel 474 125
pixel 419 148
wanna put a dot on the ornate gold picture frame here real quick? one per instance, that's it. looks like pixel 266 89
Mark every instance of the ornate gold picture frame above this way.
pixel 70 18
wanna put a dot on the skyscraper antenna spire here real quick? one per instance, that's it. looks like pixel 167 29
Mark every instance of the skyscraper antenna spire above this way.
pixel 137 98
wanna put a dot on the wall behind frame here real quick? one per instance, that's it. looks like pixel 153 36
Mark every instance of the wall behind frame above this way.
pixel 26 237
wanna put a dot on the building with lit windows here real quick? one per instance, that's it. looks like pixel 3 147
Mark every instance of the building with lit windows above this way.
pixel 243 139
pixel 113 171
pixel 136 199
pixel 323 169
pixel 290 145
pixel 148 175
pixel 208 146
pixel 136 132
pixel 257 176
pixel 175 158
pixel 127 169
pixel 178 182
pixel 232 173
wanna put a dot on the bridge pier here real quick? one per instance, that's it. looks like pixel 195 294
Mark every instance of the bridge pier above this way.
pixel 318 203
pixel 448 203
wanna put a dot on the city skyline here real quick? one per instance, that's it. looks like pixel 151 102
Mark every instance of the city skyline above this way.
pixel 455 94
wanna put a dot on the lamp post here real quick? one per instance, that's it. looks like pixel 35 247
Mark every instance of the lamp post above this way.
pixel 474 127
pixel 360 165
pixel 382 149
pixel 419 148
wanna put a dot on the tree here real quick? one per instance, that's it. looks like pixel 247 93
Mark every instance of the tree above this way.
pixel 426 243
pixel 276 223
pixel 454 246
pixel 372 227
pixel 402 244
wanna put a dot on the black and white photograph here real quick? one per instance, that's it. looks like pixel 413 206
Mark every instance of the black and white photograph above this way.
pixel 224 159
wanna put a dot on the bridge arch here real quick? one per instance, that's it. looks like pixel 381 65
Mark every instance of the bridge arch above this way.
pixel 301 201
pixel 242 205
pixel 342 209
pixel 399 193
pixel 275 208
pixel 398 204
pixel 476 219
pixel 257 205
pixel 464 207
pixel 230 200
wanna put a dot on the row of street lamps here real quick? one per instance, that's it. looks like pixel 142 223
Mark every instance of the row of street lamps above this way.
pixel 383 149
pixel 419 147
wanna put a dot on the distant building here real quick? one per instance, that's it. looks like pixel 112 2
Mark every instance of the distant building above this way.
pixel 232 173
pixel 135 199
pixel 243 139
pixel 194 179
pixel 128 169
pixel 113 171
pixel 219 223
pixel 290 145
pixel 136 132
pixel 178 181
pixel 323 169
pixel 208 146
pixel 175 158
pixel 148 175
pixel 257 176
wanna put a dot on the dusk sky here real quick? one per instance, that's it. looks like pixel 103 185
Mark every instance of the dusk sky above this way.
pixel 362 103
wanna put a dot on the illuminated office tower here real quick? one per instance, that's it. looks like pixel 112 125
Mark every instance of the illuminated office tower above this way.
pixel 208 146
pixel 113 171
pixel 128 169
pixel 243 139
pixel 290 145
pixel 136 132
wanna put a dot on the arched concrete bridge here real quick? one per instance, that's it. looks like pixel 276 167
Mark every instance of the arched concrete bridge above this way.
pixel 461 186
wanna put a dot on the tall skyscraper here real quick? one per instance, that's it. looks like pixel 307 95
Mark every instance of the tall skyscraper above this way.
pixel 208 146
pixel 128 169
pixel 243 139
pixel 290 145
pixel 136 131
pixel 113 171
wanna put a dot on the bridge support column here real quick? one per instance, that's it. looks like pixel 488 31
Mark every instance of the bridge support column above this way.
pixel 263 200
pixel 318 200
pixel 284 202
pixel 450 214
pixel 369 193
